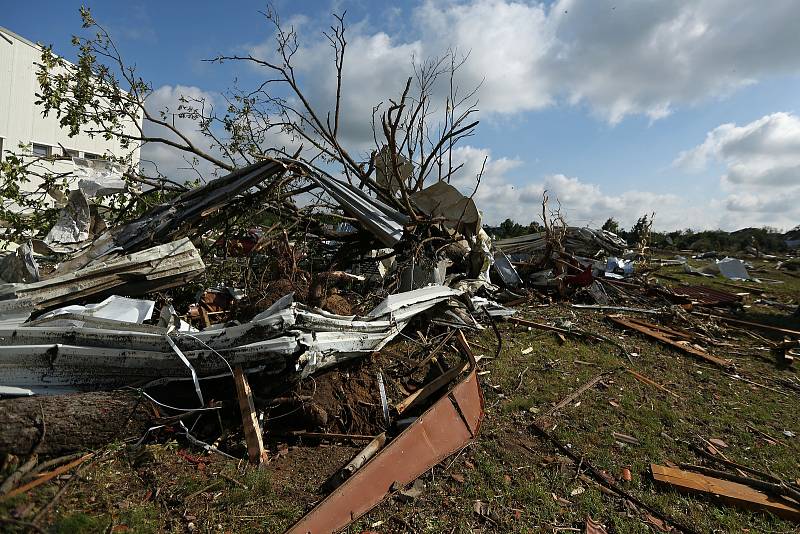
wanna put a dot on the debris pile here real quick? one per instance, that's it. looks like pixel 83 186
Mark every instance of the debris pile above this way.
pixel 287 328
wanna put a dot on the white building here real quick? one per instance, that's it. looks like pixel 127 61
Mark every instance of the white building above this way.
pixel 21 120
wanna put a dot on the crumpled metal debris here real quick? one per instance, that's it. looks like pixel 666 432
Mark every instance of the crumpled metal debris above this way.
pixel 64 352
pixel 72 227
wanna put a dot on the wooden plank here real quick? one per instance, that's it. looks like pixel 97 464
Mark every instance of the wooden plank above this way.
pixel 252 431
pixel 429 389
pixel 541 326
pixel 730 492
pixel 759 326
pixel 654 331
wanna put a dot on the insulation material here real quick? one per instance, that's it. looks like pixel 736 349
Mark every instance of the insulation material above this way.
pixel 72 226
pixel 733 269
pixel 98 177
pixel 19 266
pixel 114 307
pixel 442 200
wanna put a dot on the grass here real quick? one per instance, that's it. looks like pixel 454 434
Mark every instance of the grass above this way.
pixel 528 485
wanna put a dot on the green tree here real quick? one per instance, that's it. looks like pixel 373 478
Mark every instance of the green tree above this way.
pixel 611 225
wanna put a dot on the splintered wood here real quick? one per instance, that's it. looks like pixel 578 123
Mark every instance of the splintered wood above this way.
pixel 726 491
pixel 252 431
pixel 673 338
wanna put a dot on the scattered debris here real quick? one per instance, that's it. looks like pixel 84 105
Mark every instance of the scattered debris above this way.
pixel 593 527
pixel 625 438
pixel 443 429
pixel 287 334
pixel 676 339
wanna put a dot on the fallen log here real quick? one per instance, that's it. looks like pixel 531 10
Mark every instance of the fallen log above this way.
pixel 74 422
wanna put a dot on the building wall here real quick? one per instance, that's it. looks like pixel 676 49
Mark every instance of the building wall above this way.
pixel 21 120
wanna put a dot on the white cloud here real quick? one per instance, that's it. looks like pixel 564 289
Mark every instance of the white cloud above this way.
pixel 507 42
pixel 618 57
pixel 582 203
pixel 171 162
pixel 762 169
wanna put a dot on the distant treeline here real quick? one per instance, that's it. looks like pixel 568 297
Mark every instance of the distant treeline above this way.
pixel 764 239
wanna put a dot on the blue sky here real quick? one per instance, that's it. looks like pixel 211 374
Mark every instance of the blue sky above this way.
pixel 688 109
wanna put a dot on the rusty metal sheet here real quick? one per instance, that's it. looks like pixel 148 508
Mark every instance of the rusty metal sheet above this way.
pixel 442 430
pixel 707 296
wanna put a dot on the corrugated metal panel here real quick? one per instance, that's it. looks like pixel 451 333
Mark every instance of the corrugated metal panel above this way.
pixel 707 296
pixel 86 353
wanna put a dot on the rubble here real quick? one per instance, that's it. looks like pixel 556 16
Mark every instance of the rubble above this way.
pixel 287 329
pixel 586 242
pixel 153 269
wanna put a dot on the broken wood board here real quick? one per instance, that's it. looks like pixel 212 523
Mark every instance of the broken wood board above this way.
pixel 419 396
pixel 252 431
pixel 574 395
pixel 154 269
pixel 645 380
pixel 668 336
pixel 730 492
pixel 758 326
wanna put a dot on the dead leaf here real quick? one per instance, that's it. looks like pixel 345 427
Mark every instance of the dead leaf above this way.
pixel 656 522
pixel 458 478
pixel 626 474
pixel 507 479
pixel 593 527
pixel 413 492
pixel 481 508
pixel 577 491
pixel 718 443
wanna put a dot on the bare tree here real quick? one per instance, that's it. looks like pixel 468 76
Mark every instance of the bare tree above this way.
pixel 102 95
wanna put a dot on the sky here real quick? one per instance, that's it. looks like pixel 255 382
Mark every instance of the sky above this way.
pixel 689 109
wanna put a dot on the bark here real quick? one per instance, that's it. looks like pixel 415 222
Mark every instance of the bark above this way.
pixel 74 422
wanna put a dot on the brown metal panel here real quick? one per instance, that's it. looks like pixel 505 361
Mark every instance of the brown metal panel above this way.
pixel 442 430
pixel 707 296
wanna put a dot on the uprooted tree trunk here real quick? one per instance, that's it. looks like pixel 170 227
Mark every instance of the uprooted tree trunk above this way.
pixel 69 423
